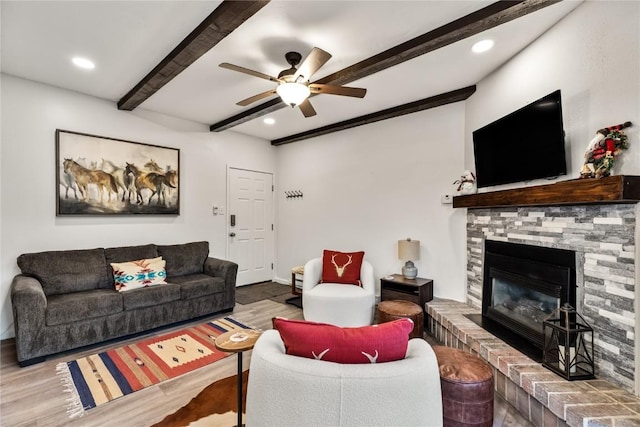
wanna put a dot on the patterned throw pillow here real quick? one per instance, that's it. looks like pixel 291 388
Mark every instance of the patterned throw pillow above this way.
pixel 341 267
pixel 368 344
pixel 139 274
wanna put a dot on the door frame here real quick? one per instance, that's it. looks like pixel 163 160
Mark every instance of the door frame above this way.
pixel 273 215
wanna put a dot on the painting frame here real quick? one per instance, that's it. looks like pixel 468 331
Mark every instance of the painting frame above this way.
pixel 100 175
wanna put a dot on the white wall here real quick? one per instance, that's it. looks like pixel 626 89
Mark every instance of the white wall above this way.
pixel 358 183
pixel 30 115
pixel 367 187
pixel 364 188
pixel 593 57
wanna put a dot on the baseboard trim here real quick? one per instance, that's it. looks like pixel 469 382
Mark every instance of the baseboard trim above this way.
pixel 282 281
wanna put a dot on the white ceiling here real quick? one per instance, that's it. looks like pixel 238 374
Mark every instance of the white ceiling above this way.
pixel 127 39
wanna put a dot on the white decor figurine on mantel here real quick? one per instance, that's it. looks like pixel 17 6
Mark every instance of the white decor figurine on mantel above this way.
pixel 466 184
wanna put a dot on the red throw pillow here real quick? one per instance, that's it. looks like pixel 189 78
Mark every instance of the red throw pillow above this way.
pixel 341 267
pixel 368 344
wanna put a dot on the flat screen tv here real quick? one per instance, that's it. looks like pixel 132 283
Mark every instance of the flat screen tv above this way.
pixel 524 145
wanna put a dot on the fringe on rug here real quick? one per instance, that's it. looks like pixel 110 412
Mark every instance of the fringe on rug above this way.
pixel 244 323
pixel 74 404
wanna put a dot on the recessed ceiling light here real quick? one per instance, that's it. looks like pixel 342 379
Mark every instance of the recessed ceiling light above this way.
pixel 269 121
pixel 482 46
pixel 83 63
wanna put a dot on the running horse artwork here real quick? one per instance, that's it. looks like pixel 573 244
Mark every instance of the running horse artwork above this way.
pixel 97 175
pixel 83 177
pixel 122 178
pixel 153 181
pixel 170 173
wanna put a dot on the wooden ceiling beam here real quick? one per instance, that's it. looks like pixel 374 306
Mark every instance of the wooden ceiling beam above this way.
pixel 481 20
pixel 389 113
pixel 460 29
pixel 228 16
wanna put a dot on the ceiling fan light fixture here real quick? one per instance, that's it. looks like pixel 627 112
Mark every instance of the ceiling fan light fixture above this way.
pixel 293 93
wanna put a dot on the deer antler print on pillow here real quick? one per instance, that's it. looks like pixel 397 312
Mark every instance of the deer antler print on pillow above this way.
pixel 342 267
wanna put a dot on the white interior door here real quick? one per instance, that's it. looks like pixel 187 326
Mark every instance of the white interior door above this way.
pixel 250 224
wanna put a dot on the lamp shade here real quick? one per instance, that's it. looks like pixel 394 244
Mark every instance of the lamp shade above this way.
pixel 293 93
pixel 409 250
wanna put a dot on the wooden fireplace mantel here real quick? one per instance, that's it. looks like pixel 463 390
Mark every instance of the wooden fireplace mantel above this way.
pixel 612 189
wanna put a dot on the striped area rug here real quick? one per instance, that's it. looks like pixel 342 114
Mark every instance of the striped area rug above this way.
pixel 100 378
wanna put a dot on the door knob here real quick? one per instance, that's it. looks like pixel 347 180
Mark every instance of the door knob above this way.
pixel 232 234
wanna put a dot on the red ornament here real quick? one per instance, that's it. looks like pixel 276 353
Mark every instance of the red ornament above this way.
pixel 611 146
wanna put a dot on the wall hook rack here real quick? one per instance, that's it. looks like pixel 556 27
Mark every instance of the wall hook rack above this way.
pixel 294 194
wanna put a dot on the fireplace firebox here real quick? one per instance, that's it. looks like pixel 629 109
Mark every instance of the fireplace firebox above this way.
pixel 522 285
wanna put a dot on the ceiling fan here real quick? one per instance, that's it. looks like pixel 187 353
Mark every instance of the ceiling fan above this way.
pixel 293 83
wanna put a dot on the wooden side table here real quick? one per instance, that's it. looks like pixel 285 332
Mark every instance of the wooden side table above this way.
pixel 396 287
pixel 295 272
pixel 237 342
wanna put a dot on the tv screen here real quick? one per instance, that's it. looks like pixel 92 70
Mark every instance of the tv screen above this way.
pixel 524 145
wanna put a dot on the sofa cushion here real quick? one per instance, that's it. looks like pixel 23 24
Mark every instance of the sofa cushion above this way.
pixel 139 274
pixel 198 285
pixel 61 272
pixel 341 267
pixel 368 344
pixel 129 253
pixel 77 306
pixel 147 297
pixel 184 259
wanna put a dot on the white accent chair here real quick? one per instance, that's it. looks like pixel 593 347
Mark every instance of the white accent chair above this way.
pixel 335 303
pixel 286 390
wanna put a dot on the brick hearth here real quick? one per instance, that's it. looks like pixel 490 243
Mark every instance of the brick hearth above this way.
pixel 541 396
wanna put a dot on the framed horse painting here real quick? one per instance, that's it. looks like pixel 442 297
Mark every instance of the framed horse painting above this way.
pixel 97 175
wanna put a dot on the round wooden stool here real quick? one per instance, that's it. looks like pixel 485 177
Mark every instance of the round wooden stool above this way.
pixel 399 309
pixel 467 388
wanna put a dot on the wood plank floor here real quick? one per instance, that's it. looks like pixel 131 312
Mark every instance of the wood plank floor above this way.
pixel 33 396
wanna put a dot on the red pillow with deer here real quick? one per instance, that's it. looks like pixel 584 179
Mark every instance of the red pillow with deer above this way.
pixel 367 344
pixel 341 267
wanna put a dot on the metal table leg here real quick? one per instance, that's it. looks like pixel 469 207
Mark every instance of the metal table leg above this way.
pixel 240 389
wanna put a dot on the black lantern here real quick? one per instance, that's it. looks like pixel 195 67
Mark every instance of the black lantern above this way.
pixel 568 344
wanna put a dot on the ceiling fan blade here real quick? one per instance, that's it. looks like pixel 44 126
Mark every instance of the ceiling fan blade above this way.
pixel 307 109
pixel 312 63
pixel 248 71
pixel 356 92
pixel 255 98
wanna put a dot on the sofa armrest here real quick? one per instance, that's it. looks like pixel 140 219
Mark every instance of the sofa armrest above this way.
pixel 29 303
pixel 222 268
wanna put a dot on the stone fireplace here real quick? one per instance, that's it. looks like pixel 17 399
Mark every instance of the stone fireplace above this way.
pixel 602 237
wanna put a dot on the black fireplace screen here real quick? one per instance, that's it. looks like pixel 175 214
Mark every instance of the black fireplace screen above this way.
pixel 522 304
pixel 522 285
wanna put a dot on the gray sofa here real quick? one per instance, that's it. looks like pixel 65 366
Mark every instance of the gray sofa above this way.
pixel 67 299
